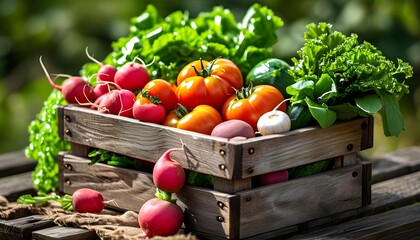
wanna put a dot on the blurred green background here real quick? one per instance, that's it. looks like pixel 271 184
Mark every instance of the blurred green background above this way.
pixel 60 31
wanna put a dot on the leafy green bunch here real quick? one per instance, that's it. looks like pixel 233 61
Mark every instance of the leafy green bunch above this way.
pixel 172 42
pixel 339 78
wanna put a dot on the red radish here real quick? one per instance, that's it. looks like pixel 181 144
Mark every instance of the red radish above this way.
pixel 101 89
pixel 148 109
pixel 274 177
pixel 132 76
pixel 168 175
pixel 74 89
pixel 160 218
pixel 85 200
pixel 118 102
pixel 106 73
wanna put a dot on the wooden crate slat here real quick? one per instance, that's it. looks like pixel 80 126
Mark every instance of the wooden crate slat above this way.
pixel 64 233
pixel 145 141
pixel 302 146
pixel 299 200
pixel 118 184
pixel 22 228
pixel 130 189
pixel 215 156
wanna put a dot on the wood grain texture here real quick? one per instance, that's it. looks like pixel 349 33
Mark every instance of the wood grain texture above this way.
pixel 147 141
pixel 14 163
pixel 302 146
pixel 129 189
pixel 392 165
pixel 402 223
pixel 280 205
pixel 215 156
pixel 13 187
pixel 22 228
pixel 393 193
pixel 64 233
pixel 205 210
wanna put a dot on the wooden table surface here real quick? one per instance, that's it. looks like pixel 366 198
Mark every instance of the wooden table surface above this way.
pixel 393 214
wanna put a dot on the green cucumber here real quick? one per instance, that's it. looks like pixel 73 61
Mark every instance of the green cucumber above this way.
pixel 272 71
pixel 300 116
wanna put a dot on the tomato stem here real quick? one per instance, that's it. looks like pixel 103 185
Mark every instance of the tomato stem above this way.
pixel 205 72
pixel 153 99
pixel 244 92
pixel 181 111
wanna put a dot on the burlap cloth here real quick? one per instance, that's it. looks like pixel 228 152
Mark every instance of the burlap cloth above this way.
pixel 108 225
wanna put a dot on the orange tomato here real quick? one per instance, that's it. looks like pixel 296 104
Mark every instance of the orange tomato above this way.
pixel 164 91
pixel 208 83
pixel 251 103
pixel 202 119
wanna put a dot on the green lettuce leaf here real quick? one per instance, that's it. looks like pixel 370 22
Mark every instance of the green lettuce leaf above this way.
pixel 349 78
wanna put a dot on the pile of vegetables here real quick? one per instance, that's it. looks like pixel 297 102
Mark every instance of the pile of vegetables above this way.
pixel 215 76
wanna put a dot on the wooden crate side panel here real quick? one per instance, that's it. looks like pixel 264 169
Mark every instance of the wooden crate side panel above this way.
pixel 206 210
pixel 300 200
pixel 302 146
pixel 146 141
pixel 210 212
pixel 127 188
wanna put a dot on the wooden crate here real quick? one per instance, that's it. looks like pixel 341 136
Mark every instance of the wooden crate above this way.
pixel 234 209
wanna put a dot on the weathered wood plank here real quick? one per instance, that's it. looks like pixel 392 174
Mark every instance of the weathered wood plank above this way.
pixel 14 163
pixel 215 156
pixel 127 136
pixel 393 193
pixel 64 233
pixel 14 186
pixel 401 223
pixel 299 200
pixel 302 146
pixel 22 228
pixel 395 164
pixel 118 184
pixel 206 211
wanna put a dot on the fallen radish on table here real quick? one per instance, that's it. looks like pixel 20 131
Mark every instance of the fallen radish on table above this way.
pixel 86 200
pixel 158 217
pixel 274 122
pixel 83 200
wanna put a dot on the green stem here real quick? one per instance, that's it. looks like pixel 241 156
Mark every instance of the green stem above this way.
pixel 165 196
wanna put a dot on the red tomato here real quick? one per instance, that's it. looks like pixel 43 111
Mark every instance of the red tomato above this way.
pixel 201 119
pixel 208 83
pixel 252 103
pixel 164 91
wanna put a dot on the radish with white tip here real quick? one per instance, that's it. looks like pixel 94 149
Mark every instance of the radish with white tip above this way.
pixel 274 122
